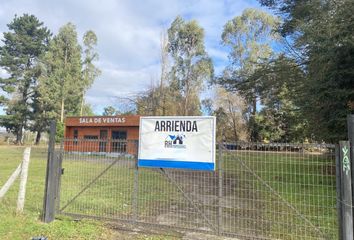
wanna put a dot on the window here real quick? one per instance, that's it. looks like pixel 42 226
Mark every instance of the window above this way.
pixel 76 136
pixel 103 143
pixel 119 143
pixel 76 133
pixel 103 134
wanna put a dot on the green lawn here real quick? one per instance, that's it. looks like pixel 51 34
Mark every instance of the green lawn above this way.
pixel 27 225
pixel 295 192
pixel 278 195
pixel 281 195
pixel 110 195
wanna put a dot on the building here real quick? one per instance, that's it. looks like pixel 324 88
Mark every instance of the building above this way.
pixel 102 134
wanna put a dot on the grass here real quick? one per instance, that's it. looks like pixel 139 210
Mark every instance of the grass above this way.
pixel 269 185
pixel 27 225
pixel 265 187
pixel 283 182
pixel 111 195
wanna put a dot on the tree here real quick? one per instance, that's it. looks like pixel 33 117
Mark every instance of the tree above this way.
pixel 90 71
pixel 325 48
pixel 61 81
pixel 249 38
pixel 177 91
pixel 230 109
pixel 191 64
pixel 109 111
pixel 160 97
pixel 41 116
pixel 207 106
pixel 164 93
pixel 149 102
pixel 87 110
pixel 280 118
pixel 26 40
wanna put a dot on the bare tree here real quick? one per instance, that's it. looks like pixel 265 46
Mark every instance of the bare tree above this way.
pixel 230 109
pixel 164 76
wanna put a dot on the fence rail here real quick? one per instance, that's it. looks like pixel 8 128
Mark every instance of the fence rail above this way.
pixel 258 191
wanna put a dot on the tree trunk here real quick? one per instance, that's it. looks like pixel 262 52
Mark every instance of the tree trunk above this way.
pixel 184 107
pixel 62 110
pixel 164 66
pixel 186 102
pixel 254 106
pixel 164 105
pixel 38 137
pixel 254 131
pixel 19 136
pixel 235 129
pixel 82 103
pixel 63 87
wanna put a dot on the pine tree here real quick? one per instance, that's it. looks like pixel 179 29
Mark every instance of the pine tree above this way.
pixel 26 40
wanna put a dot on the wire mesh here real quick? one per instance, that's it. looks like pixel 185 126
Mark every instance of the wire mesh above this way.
pixel 280 191
pixel 95 183
pixel 259 191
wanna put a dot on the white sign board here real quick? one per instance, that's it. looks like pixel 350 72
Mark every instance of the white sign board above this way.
pixel 177 142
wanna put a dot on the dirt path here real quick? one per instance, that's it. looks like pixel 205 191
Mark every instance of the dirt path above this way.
pixel 132 232
pixel 198 205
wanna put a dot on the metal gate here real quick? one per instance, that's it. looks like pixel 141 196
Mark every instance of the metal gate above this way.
pixel 259 191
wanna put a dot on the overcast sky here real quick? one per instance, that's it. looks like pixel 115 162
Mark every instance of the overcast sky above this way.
pixel 128 34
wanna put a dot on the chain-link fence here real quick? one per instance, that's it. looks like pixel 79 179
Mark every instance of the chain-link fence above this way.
pixel 258 191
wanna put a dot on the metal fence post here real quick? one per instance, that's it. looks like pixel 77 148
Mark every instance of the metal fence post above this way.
pixel 220 192
pixel 339 193
pixel 350 126
pixel 350 122
pixel 136 185
pixel 346 191
pixel 50 181
pixel 59 172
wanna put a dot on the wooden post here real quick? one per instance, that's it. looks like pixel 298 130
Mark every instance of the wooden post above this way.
pixel 346 191
pixel 10 181
pixel 23 181
pixel 50 182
